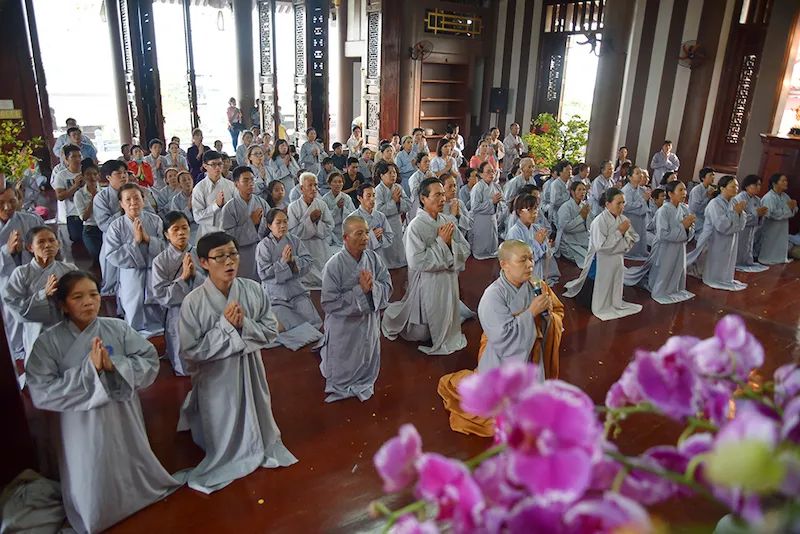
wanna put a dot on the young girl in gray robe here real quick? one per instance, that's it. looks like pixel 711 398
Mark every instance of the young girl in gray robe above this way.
pixel 133 241
pixel 283 167
pixel 243 218
pixel 745 263
pixel 340 206
pixel 611 236
pixel 223 326
pixel 664 272
pixel 573 221
pixel 775 234
pixel 31 290
pixel 392 201
pixel 176 272
pixel 488 211
pixel 714 258
pixel 636 211
pixel 89 370
pixel 282 260
pixel 381 234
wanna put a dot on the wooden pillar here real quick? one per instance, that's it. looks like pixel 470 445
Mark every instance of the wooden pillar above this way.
pixel 372 89
pixel 317 54
pixel 344 110
pixel 390 68
pixel 300 73
pixel 268 80
pixel 243 21
pixel 145 69
pixel 618 18
pixel 118 71
pixel 192 86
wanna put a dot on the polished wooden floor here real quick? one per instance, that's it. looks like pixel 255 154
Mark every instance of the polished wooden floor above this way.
pixel 329 490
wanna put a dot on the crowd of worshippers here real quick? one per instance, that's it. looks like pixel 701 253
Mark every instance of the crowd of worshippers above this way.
pixel 212 254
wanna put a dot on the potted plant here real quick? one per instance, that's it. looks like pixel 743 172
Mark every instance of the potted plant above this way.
pixel 551 140
pixel 16 155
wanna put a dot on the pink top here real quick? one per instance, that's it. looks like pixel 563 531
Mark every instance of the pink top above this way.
pixel 234 114
pixel 476 161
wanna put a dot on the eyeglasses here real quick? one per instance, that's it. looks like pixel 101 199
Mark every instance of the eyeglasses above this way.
pixel 216 164
pixel 223 258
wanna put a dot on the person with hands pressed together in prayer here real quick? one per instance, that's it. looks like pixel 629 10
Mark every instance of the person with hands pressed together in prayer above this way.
pixel 340 206
pixel 243 218
pixel 488 211
pixel 175 158
pixel 312 152
pixel 381 234
pixel 163 197
pixel 436 252
pixel 573 221
pixel 636 210
pixel 699 197
pixel 423 162
pixel 283 166
pixel 133 241
pixel 392 201
pixel 176 272
pixel 66 183
pixel 89 370
pixel 223 326
pixel 84 205
pixel 210 195
pixel 444 164
pixel 775 234
pixel 312 222
pixel 455 208
pixel 157 162
pixel 535 236
pixel 356 286
pixel 755 211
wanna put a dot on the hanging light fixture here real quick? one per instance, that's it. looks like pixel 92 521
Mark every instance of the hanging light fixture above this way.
pixel 220 21
pixel 103 12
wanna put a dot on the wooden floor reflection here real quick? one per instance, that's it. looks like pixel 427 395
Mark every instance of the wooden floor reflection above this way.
pixel 329 489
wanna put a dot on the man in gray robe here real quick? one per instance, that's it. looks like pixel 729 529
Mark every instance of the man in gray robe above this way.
pixel 356 286
pixel 223 326
pixel 514 149
pixel 381 235
pixel 525 177
pixel 599 185
pixel 243 217
pixel 700 196
pixel 775 234
pixel 663 162
pixel 436 251
pixel 311 221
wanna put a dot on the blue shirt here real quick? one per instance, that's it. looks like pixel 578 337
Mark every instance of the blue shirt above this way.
pixel 403 162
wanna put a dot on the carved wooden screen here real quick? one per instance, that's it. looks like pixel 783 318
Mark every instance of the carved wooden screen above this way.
pixel 739 73
pixel 550 78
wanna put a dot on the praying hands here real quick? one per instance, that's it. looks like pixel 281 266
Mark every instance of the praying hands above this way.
pixel 234 314
pixel 139 233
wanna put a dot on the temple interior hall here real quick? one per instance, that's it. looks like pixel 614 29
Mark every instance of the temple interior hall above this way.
pixel 719 80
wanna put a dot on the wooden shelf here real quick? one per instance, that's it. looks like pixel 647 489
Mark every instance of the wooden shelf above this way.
pixel 439 118
pixel 443 100
pixel 434 136
pixel 443 81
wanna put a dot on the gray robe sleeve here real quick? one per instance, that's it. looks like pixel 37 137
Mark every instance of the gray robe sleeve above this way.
pixel 169 288
pixel 135 369
pixel 35 307
pixel 671 232
pixel 279 270
pixel 507 334
pixel 336 299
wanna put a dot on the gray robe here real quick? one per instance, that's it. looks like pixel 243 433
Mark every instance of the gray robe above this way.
pixel 608 246
pixel 308 160
pixel 572 239
pixel 512 187
pixel 291 301
pixel 661 164
pixel 25 296
pixel 464 195
pixel 664 272
pixel 464 221
pixel 698 201
pixel 169 289
pixel 335 241
pixel 394 256
pixel 108 470
pixel 413 185
pixel 545 266
pixel 163 198
pixel 180 202
pixel 599 186
pixel 237 222
pixel 207 213
pixel 377 219
pixel 315 236
pixel 747 237
pixel 636 210
pixel 775 234
pixel 286 175
pixel 22 222
pixel 559 194
pixel 431 308
pixel 509 327
pixel 133 263
pixel 229 409
pixel 714 258
pixel 487 217
pixel 351 348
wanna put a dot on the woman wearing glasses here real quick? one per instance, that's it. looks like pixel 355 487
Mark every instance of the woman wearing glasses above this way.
pixel 223 326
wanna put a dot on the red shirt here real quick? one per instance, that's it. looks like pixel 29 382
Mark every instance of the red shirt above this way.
pixel 145 177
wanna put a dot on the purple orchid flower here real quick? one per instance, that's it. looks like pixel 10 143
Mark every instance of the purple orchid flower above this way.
pixel 667 380
pixel 486 394
pixel 791 421
pixel 554 438
pixel 605 470
pixel 787 384
pixel 450 485
pixel 491 476
pixel 732 350
pixel 611 513
pixel 395 460
pixel 650 489
pixel 531 515
pixel 408 524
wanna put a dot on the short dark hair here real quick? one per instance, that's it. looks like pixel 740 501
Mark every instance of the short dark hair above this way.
pixel 224 156
pixel 414 131
pixel 134 147
pixel 333 175
pixel 425 186
pixel 123 145
pixel 575 184
pixel 270 216
pixel 31 234
pixel 666 142
pixel 128 187
pixel 309 130
pixel 774 179
pixel 704 171
pixel 209 242
pixel 73 129
pixel 241 169
pixel 750 179
pixel 171 217
pixel 528 189
pixel 155 142
pixel 381 168
pixel 363 187
pixel 327 161
pixel 609 195
pixel 420 156
pixel 112 165
pixel 352 160
pixel 69 149
pixel 69 120
pixel 68 281
pixel 482 166
pixel 561 165
pixel 451 129
pixel 523 202
pixel 579 168
pixel 88 163
pixel 725 180
pixel 657 192
pixel 336 145
pixel 211 155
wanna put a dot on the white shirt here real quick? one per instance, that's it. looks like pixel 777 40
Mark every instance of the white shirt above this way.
pixel 207 213
pixel 82 200
pixel 66 208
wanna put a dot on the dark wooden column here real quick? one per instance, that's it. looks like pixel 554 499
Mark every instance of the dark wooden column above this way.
pixel 372 92
pixel 118 65
pixel 317 54
pixel 268 79
pixel 145 70
pixel 300 73
pixel 390 68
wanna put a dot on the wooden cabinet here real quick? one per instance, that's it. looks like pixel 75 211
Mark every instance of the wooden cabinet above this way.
pixel 781 153
pixel 444 99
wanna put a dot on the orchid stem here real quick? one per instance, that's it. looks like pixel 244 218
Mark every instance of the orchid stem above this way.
pixel 485 455
pixel 394 516
pixel 702 423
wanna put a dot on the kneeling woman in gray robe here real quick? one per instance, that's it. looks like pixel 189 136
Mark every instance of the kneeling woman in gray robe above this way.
pixel 714 259
pixel 488 213
pixel 775 234
pixel 535 236
pixel 223 326
pixel 745 263
pixel 572 222
pixel 636 209
pixel 610 237
pixel 89 369
pixel 356 286
pixel 281 263
pixel 664 272
pixel 176 273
